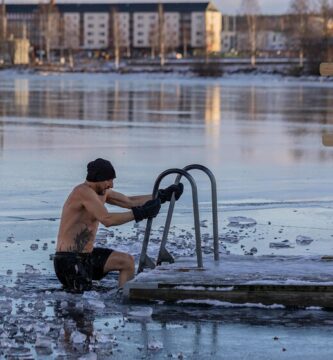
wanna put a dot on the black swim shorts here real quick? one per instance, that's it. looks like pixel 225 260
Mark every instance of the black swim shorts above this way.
pixel 77 270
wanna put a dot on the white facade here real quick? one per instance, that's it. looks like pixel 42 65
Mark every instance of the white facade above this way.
pixel 96 30
pixel 145 29
pixel 71 30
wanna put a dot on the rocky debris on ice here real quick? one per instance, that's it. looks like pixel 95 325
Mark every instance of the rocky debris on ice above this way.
pixel 34 247
pixel 241 221
pixel 303 240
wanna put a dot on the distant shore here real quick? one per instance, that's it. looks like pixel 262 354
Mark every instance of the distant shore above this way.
pixel 200 67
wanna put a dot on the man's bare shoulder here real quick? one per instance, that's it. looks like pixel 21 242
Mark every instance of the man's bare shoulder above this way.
pixel 81 191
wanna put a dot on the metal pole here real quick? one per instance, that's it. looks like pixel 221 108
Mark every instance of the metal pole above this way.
pixel 143 256
pixel 214 213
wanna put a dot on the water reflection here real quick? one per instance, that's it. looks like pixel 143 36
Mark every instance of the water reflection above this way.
pixel 255 117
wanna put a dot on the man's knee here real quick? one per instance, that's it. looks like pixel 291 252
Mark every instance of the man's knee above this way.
pixel 130 264
pixel 119 261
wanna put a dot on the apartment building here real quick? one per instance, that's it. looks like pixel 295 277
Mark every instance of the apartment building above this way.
pixel 132 27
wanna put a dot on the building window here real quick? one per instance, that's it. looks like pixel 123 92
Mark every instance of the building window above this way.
pixel 140 42
pixel 102 25
pixel 140 33
pixel 90 26
pixel 102 33
pixel 89 33
pixel 90 42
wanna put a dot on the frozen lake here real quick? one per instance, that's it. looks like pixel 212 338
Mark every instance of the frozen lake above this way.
pixel 261 137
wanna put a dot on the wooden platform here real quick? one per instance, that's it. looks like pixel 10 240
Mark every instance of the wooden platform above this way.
pixel 289 281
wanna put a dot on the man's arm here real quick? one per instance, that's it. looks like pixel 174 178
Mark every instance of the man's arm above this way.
pixel 127 202
pixel 94 206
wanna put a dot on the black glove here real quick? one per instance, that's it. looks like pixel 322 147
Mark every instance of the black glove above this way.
pixel 148 210
pixel 165 194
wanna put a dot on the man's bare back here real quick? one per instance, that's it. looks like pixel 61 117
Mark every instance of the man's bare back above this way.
pixel 78 227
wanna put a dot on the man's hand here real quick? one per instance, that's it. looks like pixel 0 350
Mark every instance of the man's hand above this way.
pixel 165 194
pixel 148 210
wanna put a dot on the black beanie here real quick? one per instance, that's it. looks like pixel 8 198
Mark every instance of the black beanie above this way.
pixel 100 170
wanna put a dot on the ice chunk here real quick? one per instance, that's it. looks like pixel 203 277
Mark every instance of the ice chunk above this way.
pixel 101 338
pixel 44 343
pixel 89 356
pixel 303 240
pixel 253 250
pixel 280 245
pixel 34 247
pixel 140 311
pixel 96 304
pixel 42 328
pixel 239 221
pixel 231 239
pixel 91 295
pixel 5 307
pixel 155 345
pixel 77 337
pixel 29 269
pixel 10 239
pixel 40 306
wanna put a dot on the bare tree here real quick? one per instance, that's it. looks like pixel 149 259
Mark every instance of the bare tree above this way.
pixel 251 9
pixel 161 33
pixel 300 10
pixel 153 39
pixel 48 26
pixel 325 10
pixel 3 21
pixel 115 36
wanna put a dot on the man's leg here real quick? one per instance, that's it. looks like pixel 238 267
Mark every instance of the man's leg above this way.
pixel 122 262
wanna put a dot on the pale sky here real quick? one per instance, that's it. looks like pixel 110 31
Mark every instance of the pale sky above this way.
pixel 226 6
pixel 267 6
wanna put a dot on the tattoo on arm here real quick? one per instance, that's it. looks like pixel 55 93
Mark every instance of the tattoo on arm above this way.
pixel 81 239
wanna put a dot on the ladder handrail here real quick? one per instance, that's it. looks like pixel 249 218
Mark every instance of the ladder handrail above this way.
pixel 163 253
pixel 145 261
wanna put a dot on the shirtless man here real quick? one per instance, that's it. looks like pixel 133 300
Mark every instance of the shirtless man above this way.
pixel 76 261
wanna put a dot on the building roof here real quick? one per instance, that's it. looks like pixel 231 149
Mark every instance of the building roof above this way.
pixel 105 6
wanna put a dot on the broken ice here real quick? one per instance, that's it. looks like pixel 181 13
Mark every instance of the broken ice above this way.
pixel 77 337
pixel 303 240
pixel 155 345
pixel 140 312
pixel 280 245
pixel 241 221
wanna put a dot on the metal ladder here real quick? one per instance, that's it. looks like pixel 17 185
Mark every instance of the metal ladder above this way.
pixel 163 255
